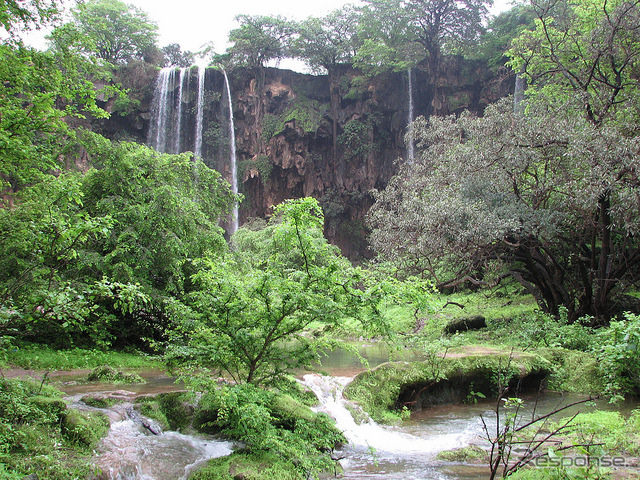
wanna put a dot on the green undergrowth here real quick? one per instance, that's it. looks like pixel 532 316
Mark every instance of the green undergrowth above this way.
pixel 40 435
pixel 561 473
pixel 614 433
pixel 278 432
pixel 387 390
pixel 41 357
pixel 573 371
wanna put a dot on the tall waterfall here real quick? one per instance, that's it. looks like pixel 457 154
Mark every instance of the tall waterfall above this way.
pixel 157 137
pixel 232 156
pixel 178 122
pixel 410 151
pixel 202 69
pixel 168 119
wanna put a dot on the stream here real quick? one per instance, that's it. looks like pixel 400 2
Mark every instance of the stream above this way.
pixel 407 452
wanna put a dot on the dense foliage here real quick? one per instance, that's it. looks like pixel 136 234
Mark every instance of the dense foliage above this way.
pixel 549 197
pixel 84 254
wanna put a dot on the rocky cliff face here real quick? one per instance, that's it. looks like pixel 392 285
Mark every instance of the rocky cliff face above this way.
pixel 284 132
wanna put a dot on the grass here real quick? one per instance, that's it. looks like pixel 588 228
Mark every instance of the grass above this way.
pixel 616 434
pixel 41 357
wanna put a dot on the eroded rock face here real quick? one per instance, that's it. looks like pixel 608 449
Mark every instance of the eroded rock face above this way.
pixel 284 133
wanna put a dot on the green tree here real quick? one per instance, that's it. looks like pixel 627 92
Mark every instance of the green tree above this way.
pixel 165 210
pixel 174 56
pixel 39 93
pixel 16 14
pixel 117 32
pixel 590 49
pixel 520 196
pixel 501 31
pixel 258 40
pixel 404 32
pixel 252 308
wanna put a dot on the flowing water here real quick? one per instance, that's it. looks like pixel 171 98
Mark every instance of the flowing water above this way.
pixel 232 156
pixel 136 448
pixel 178 123
pixel 409 451
pixel 157 129
pixel 410 148
pixel 405 452
pixel 200 111
pixel 518 95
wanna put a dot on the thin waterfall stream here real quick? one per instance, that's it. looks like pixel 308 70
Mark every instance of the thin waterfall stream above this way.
pixel 178 124
pixel 232 156
pixel 200 111
pixel 410 148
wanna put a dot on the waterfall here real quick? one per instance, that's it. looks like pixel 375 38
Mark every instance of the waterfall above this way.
pixel 410 152
pixel 200 111
pixel 178 123
pixel 368 434
pixel 157 137
pixel 232 154
pixel 518 95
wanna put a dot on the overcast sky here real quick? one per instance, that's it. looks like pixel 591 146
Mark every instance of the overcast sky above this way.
pixel 194 23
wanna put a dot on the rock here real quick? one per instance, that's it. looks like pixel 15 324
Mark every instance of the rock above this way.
pixel 468 323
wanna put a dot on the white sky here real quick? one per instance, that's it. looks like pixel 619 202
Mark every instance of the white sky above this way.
pixel 194 23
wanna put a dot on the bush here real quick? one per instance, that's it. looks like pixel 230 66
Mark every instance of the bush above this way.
pixel 619 357
pixel 270 424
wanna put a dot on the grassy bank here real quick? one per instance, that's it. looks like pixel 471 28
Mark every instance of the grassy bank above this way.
pixel 42 357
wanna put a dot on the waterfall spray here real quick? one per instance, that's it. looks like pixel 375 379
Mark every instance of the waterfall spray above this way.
pixel 410 151
pixel 234 171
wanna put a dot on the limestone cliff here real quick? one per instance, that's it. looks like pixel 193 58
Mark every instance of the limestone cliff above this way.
pixel 284 132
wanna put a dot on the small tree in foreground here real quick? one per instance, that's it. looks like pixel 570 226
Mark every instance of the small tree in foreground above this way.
pixel 252 307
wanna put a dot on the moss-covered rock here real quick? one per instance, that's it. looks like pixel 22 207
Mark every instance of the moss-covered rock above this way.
pixel 100 401
pixel 248 466
pixel 385 390
pixel 288 410
pixel 173 411
pixel 84 429
pixel 475 322
pixel 52 406
pixel 469 454
pixel 109 374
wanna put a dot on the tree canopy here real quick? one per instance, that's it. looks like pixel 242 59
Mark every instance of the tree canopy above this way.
pixel 400 33
pixel 114 31
pixel 259 39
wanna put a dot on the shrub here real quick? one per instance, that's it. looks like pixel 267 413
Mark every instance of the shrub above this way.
pixel 619 357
